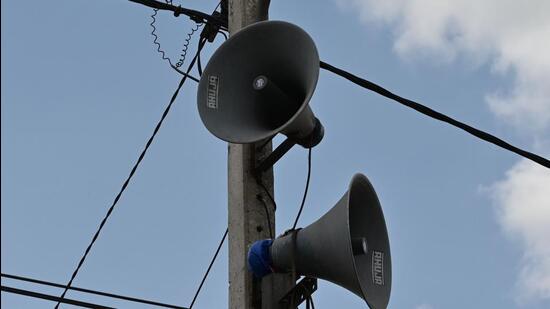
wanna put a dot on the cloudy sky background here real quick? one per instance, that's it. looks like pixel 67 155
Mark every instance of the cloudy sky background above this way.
pixel 513 37
pixel 82 87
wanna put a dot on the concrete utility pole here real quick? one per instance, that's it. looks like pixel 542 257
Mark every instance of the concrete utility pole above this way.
pixel 248 220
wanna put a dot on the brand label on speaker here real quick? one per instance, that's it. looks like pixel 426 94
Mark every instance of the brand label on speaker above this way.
pixel 378 267
pixel 212 92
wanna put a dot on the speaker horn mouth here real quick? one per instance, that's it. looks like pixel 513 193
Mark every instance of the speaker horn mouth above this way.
pixel 233 94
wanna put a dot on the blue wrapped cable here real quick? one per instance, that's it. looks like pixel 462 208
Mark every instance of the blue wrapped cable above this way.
pixel 259 258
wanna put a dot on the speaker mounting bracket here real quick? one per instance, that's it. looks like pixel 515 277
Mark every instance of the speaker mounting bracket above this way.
pixel 275 156
pixel 300 292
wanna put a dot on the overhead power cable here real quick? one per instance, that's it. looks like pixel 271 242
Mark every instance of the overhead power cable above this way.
pixel 52 298
pixel 132 172
pixel 196 16
pixel 436 115
pixel 208 269
pixel 111 295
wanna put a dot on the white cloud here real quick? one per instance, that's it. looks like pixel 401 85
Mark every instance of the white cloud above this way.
pixel 512 35
pixel 424 306
pixel 514 38
pixel 523 208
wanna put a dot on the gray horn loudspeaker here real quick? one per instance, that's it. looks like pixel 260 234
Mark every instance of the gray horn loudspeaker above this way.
pixel 348 246
pixel 259 82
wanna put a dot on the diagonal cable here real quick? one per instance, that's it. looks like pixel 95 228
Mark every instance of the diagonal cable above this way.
pixel 132 172
pixel 75 302
pixel 89 291
pixel 436 115
pixel 208 269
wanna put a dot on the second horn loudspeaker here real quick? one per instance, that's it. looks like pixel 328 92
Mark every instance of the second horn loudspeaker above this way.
pixel 348 246
pixel 259 82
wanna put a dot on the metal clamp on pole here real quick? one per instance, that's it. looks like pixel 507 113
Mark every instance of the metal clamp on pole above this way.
pixel 275 156
pixel 301 292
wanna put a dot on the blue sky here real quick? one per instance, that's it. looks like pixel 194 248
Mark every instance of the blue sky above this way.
pixel 83 87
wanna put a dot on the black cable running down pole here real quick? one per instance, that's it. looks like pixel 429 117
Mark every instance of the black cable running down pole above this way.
pixel 127 298
pixel 209 267
pixel 436 115
pixel 132 172
pixel 52 298
pixel 268 217
pixel 268 194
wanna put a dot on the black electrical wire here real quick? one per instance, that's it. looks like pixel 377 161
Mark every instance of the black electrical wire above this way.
pixel 163 53
pixel 268 217
pixel 185 47
pixel 52 298
pixel 264 188
pixel 199 69
pixel 199 65
pixel 132 172
pixel 223 33
pixel 208 269
pixel 204 35
pixel 311 302
pixel 436 115
pixel 191 77
pixel 187 41
pixel 309 298
pixel 268 194
pixel 260 197
pixel 305 191
pixel 127 298
pixel 196 16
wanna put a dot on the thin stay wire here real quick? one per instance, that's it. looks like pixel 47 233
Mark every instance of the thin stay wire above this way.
pixel 436 115
pixel 132 172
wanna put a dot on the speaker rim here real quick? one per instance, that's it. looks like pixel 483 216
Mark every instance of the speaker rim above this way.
pixel 361 178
